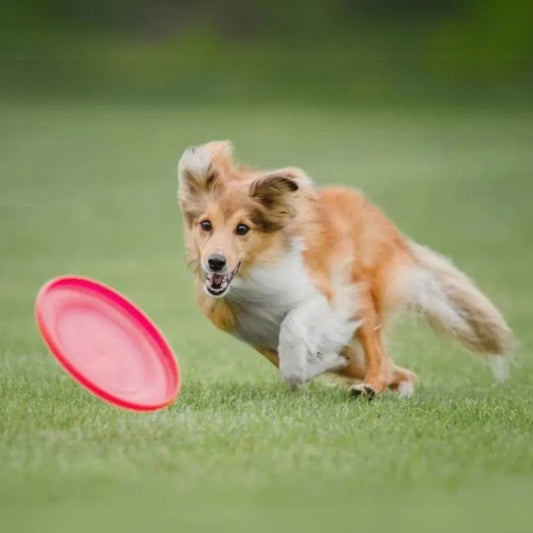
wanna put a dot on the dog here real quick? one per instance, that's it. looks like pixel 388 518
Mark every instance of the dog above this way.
pixel 310 277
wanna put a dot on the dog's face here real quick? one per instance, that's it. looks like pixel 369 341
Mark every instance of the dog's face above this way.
pixel 234 218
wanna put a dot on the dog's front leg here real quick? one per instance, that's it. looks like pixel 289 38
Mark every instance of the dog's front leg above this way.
pixel 299 339
pixel 293 349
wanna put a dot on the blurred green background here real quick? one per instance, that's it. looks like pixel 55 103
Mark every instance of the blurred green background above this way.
pixel 425 105
pixel 337 52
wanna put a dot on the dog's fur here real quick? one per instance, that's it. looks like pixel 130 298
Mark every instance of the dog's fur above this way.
pixel 314 281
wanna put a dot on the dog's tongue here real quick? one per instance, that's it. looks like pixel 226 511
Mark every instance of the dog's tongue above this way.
pixel 218 279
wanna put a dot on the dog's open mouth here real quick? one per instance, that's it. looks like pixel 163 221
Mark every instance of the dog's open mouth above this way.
pixel 217 284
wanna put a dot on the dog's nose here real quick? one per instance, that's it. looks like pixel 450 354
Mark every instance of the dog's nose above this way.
pixel 216 262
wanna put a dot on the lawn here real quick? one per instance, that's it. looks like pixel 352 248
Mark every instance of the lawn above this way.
pixel 90 189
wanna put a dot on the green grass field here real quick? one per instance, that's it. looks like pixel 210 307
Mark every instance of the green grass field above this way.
pixel 90 189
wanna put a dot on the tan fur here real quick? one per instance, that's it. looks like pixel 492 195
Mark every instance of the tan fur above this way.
pixel 343 234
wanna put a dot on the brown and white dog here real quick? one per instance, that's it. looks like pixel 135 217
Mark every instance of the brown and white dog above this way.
pixel 310 276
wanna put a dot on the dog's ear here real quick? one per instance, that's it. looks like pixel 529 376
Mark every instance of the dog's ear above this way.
pixel 273 193
pixel 200 170
pixel 201 166
pixel 273 187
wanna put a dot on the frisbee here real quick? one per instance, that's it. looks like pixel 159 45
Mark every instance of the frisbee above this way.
pixel 107 344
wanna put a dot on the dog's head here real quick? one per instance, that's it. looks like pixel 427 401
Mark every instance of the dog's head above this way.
pixel 234 217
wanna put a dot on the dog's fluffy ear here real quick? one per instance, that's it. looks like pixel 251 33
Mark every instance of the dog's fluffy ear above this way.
pixel 200 166
pixel 199 170
pixel 274 194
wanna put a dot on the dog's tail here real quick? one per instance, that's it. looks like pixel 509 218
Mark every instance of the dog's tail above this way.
pixel 452 304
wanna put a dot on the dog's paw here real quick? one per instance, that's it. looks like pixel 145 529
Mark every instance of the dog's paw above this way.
pixel 293 377
pixel 362 390
pixel 405 389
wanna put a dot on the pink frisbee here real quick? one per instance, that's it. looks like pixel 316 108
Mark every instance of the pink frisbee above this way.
pixel 107 344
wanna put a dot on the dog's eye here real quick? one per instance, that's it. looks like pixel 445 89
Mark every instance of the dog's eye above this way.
pixel 242 229
pixel 206 225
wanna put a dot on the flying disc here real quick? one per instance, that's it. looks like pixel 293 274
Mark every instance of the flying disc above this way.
pixel 107 344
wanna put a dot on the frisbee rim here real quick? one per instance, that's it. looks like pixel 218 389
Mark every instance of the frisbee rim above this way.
pixel 136 315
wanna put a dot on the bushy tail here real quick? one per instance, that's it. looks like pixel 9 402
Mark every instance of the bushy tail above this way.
pixel 452 304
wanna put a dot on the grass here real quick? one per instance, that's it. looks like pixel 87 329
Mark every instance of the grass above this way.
pixel 90 189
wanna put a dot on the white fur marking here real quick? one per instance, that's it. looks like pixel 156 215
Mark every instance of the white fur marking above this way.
pixel 499 364
pixel 406 389
pixel 195 161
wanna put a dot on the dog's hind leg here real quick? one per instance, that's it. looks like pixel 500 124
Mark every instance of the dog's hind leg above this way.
pixel 380 372
pixel 401 380
pixel 377 362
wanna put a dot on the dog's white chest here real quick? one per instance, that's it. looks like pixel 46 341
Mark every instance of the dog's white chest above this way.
pixel 265 298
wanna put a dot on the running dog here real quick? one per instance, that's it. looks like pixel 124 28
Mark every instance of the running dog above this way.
pixel 310 277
